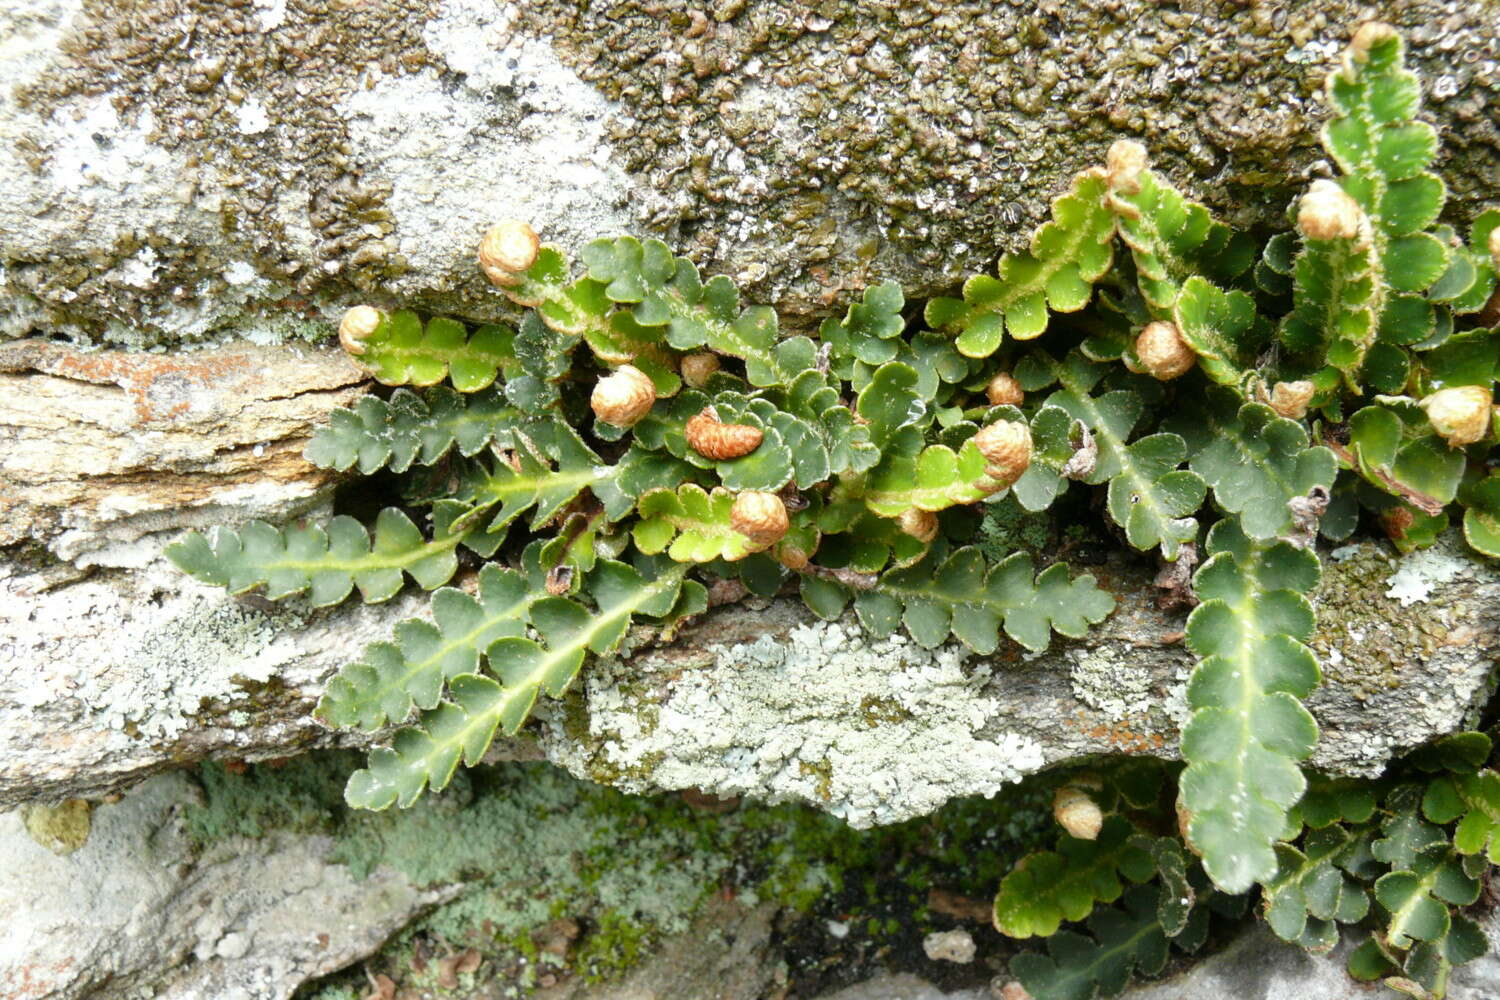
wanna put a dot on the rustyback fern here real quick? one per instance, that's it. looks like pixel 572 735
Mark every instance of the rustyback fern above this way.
pixel 1220 397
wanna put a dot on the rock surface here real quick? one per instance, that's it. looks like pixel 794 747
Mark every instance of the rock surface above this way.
pixel 1256 965
pixel 180 169
pixel 137 912
pixel 143 909
pixel 114 666
pixel 124 673
pixel 101 449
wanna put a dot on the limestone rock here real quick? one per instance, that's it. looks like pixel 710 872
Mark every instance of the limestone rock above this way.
pixel 178 169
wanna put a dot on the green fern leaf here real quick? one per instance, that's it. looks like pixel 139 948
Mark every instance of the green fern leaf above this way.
pixel 1220 327
pixel 690 525
pixel 519 670
pixel 965 597
pixel 1311 891
pixel 1173 240
pixel 1248 729
pixel 1067 255
pixel 1353 286
pixel 375 433
pixel 870 330
pixel 402 351
pixel 1152 499
pixel 328 562
pixel 935 478
pixel 1417 899
pixel 1149 495
pixel 1472 297
pixel 383 685
pixel 637 471
pixel 1393 447
pixel 847 444
pixel 1482 516
pixel 666 291
pixel 526 480
pixel 1048 887
pixel 1255 461
pixel 1478 831
pixel 1055 439
pixel 1126 941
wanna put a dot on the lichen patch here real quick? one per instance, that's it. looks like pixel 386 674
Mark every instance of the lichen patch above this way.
pixel 874 731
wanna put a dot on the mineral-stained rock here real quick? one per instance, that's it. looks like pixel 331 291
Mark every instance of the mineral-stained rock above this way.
pixel 176 168
pixel 99 449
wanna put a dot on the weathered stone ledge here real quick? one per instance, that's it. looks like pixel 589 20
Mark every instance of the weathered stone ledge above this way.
pixel 108 679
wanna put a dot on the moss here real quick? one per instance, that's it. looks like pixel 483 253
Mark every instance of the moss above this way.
pixel 1007 527
pixel 1367 641
pixel 617 945
pixel 250 800
pixel 929 128
pixel 537 848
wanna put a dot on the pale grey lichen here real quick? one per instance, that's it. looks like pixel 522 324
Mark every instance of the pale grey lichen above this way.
pixel 1422 571
pixel 874 731
pixel 201 651
pixel 1105 679
pixel 452 172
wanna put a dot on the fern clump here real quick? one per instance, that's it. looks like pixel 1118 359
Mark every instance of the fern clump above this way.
pixel 640 434
pixel 1394 861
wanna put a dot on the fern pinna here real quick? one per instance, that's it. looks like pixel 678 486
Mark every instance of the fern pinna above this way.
pixel 639 433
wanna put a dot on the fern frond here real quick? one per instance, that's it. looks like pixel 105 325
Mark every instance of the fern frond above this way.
pixel 1046 888
pixel 519 669
pixel 404 351
pixel 690 525
pixel 383 685
pixel 1248 729
pixel 1172 240
pixel 1149 494
pixel 329 562
pixel 1125 941
pixel 964 596
pixel 1356 288
pixel 1067 255
pixel 1255 461
pixel 870 330
pixel 410 427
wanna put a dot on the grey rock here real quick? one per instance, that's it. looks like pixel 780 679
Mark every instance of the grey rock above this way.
pixel 728 954
pixel 137 912
pixel 902 986
pixel 1256 965
pixel 108 679
pixel 178 171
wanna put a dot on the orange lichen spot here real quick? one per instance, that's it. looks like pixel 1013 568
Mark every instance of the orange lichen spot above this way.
pixel 1118 735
